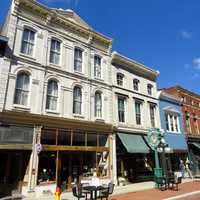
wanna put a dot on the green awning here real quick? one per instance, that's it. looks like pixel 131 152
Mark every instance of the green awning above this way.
pixel 196 144
pixel 133 143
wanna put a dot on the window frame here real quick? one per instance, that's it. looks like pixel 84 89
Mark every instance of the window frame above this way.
pixel 120 82
pixel 149 89
pixel 123 111
pixel 27 42
pixel 152 123
pixel 137 102
pixel 173 121
pixel 95 67
pixel 82 59
pixel 28 90
pixel 76 101
pixel 95 105
pixel 136 81
pixel 55 52
pixel 51 96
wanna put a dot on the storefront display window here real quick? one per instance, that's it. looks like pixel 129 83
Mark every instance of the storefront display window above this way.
pixel 48 136
pixel 64 138
pixel 103 141
pixel 91 139
pixel 78 139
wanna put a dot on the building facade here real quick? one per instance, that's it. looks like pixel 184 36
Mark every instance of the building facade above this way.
pixel 56 100
pixel 69 107
pixel 191 122
pixel 135 110
pixel 172 125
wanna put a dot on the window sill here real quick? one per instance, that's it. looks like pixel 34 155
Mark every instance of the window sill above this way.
pixel 78 116
pixel 99 120
pixel 172 132
pixel 52 112
pixel 55 65
pixel 98 79
pixel 27 56
pixel 21 107
pixel 79 73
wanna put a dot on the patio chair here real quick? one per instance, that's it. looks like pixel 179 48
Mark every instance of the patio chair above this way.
pixel 111 188
pixel 77 192
pixel 161 183
pixel 175 182
pixel 103 193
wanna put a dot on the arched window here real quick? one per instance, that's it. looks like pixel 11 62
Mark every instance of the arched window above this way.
pixel 22 89
pixel 52 95
pixel 98 105
pixel 136 84
pixel 77 100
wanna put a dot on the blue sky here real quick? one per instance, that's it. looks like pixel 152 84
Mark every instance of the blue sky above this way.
pixel 164 35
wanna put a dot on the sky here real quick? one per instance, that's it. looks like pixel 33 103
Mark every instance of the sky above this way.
pixel 161 34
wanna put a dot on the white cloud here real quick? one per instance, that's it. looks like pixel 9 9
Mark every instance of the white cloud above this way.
pixel 186 35
pixel 196 62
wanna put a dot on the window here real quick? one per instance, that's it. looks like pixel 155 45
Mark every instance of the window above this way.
pixel 167 121
pixel 55 52
pixel 120 78
pixel 149 89
pixel 187 121
pixel 98 105
pixel 195 123
pixel 138 112
pixel 52 95
pixel 152 108
pixel 77 100
pixel 78 59
pixel 22 89
pixel 121 109
pixel 172 122
pixel 136 84
pixel 97 66
pixel 28 42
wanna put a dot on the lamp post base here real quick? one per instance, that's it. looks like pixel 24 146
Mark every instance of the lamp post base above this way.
pixel 158 172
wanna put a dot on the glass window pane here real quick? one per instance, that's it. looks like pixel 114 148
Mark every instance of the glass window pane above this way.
pixel 64 138
pixel 91 139
pixel 78 139
pixel 103 140
pixel 48 136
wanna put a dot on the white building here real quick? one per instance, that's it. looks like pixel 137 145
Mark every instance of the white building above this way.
pixel 59 89
pixel 135 110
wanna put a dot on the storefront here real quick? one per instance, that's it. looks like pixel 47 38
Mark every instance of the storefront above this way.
pixel 15 151
pixel 70 151
pixel 71 156
pixel 194 155
pixel 135 161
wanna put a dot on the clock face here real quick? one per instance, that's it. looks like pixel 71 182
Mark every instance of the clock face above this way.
pixel 153 138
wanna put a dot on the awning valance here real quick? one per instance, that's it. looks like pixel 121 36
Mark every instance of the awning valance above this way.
pixel 196 144
pixel 133 143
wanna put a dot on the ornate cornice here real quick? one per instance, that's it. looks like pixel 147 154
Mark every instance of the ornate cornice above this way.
pixel 51 16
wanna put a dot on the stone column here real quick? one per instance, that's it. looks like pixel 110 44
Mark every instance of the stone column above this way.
pixel 113 158
pixel 34 160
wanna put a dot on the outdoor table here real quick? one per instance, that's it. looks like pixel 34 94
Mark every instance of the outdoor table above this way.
pixel 93 190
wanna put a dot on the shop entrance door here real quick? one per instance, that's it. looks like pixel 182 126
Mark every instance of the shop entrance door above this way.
pixel 70 169
pixel 10 173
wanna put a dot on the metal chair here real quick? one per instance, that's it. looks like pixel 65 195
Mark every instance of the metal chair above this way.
pixel 175 182
pixel 77 192
pixel 111 188
pixel 161 183
pixel 103 193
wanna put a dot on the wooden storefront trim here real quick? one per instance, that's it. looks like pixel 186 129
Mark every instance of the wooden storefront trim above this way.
pixel 16 146
pixel 73 148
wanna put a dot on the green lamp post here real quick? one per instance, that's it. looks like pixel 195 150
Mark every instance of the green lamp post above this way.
pixel 154 138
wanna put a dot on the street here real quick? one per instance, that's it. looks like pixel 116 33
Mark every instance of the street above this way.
pixel 155 194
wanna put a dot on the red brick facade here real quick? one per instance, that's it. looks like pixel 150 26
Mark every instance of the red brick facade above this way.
pixel 190 110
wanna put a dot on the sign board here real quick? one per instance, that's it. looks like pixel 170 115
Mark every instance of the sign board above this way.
pixel 38 148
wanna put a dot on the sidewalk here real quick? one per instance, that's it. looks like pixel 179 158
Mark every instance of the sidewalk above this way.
pixel 131 192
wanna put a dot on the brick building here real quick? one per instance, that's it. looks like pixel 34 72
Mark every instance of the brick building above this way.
pixel 191 122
